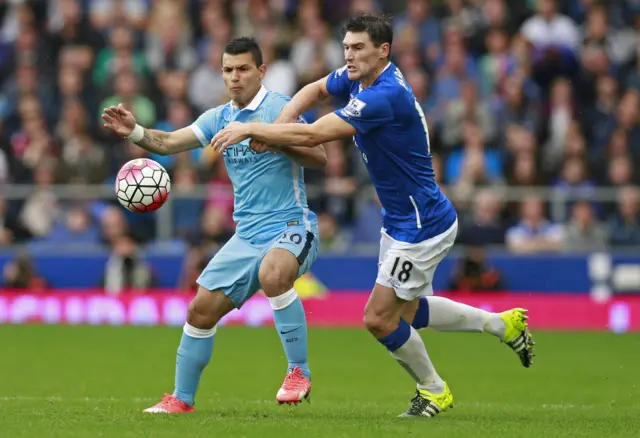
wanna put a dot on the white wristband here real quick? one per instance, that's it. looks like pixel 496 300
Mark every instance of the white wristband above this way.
pixel 137 134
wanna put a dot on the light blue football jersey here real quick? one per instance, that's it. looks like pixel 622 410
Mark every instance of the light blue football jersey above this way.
pixel 269 189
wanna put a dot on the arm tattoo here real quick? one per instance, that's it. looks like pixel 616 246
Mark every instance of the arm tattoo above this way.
pixel 153 141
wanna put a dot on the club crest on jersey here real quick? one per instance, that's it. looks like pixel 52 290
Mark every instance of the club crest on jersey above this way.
pixel 354 108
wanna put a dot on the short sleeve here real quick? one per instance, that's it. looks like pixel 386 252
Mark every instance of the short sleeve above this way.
pixel 338 83
pixel 205 127
pixel 276 104
pixel 367 111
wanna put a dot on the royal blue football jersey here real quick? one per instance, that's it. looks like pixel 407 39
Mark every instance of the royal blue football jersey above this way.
pixel 393 139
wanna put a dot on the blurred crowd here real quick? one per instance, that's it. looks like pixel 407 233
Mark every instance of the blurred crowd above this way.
pixel 517 93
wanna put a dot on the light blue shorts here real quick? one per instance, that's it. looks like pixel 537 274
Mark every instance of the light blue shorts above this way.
pixel 234 269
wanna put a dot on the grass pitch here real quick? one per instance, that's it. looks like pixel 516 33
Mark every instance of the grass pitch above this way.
pixel 94 382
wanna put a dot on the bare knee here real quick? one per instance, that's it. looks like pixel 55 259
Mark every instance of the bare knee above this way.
pixel 278 273
pixel 382 312
pixel 380 324
pixel 207 308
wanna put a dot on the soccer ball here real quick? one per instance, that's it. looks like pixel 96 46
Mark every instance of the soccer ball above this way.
pixel 142 185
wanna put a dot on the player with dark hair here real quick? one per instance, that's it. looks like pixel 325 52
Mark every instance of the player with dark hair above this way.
pixel 276 238
pixel 420 224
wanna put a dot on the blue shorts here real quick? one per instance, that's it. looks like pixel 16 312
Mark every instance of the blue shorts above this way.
pixel 234 269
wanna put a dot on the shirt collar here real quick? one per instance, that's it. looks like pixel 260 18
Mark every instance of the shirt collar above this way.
pixel 257 100
pixel 383 70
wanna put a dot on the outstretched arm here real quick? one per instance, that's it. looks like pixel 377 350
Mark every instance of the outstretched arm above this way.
pixel 326 129
pixel 312 158
pixel 121 122
pixel 305 99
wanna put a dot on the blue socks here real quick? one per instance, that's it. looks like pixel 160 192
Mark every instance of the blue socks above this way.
pixel 194 353
pixel 397 338
pixel 421 320
pixel 291 324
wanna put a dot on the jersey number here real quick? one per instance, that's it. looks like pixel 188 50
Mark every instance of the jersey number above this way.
pixel 405 270
pixel 294 238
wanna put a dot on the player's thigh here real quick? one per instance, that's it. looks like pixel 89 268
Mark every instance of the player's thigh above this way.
pixel 234 271
pixel 409 268
pixel 207 308
pixel 293 253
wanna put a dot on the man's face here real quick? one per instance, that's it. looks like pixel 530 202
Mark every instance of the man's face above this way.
pixel 547 7
pixel 361 54
pixel 242 77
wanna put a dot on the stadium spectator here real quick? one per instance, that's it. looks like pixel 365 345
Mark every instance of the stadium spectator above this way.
pixel 11 229
pixel 331 239
pixel 119 56
pixel 560 113
pixel 468 108
pixel 339 186
pixel 316 53
pixel 534 233
pixel 127 92
pixel 20 273
pixel 418 15
pixel 113 225
pixel 368 222
pixel 105 13
pixel 41 209
pixel 169 41
pixel 186 212
pixel 485 225
pixel 125 269
pixel 206 87
pixel 211 233
pixel 548 29
pixel 498 63
pixel 474 274
pixel 625 222
pixel 195 262
pixel 584 233
pixel 75 226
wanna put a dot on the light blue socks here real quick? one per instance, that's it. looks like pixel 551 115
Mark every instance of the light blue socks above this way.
pixel 194 353
pixel 291 324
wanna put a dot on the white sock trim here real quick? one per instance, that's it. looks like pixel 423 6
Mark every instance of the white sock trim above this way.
pixel 194 332
pixel 283 301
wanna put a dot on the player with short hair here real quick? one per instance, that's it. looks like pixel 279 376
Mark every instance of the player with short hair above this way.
pixel 276 238
pixel 420 223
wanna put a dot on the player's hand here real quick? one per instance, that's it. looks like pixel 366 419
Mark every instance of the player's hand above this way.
pixel 259 147
pixel 118 120
pixel 234 133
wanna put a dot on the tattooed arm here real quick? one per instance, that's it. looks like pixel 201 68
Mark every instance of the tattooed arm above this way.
pixel 167 143
pixel 121 122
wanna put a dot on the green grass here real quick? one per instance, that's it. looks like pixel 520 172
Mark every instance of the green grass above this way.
pixel 583 385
